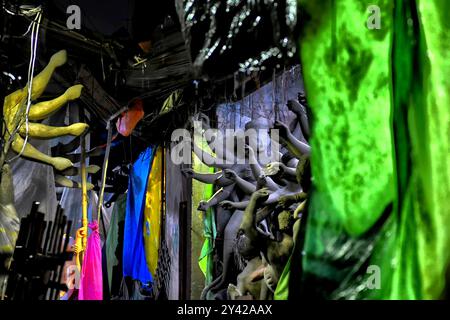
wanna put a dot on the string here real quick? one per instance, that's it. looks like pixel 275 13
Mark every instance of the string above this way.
pixel 104 170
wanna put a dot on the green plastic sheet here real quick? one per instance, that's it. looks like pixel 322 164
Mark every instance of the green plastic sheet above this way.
pixel 202 191
pixel 380 150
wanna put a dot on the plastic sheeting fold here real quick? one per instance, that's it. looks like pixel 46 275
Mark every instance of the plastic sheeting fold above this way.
pixel 228 36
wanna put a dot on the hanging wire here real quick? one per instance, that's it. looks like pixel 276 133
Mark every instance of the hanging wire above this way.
pixel 284 95
pixel 252 109
pixel 34 41
pixel 242 103
pixel 274 103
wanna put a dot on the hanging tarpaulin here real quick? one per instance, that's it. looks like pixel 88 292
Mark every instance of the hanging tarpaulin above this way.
pixel 91 280
pixel 152 211
pixel 353 187
pixel 421 91
pixel 134 261
pixel 378 213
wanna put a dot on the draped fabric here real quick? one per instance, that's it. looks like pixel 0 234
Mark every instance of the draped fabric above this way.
pixel 134 260
pixel 203 191
pixel 112 239
pixel 421 92
pixel 379 99
pixel 91 280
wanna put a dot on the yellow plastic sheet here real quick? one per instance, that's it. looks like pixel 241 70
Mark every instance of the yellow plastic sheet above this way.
pixel 152 212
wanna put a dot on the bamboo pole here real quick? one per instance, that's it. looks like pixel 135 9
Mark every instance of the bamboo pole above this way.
pixel 82 234
pixel 84 187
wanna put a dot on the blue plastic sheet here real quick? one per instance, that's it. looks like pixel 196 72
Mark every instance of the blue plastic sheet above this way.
pixel 134 262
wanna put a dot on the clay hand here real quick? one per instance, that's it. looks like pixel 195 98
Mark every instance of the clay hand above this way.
pixel 227 205
pixel 273 168
pixel 262 180
pixel 295 107
pixel 261 195
pixel 233 292
pixel 283 129
pixel 14 116
pixel 230 174
pixel 203 206
pixel 188 172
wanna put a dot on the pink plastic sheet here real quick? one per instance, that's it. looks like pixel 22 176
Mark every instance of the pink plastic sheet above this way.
pixel 91 280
